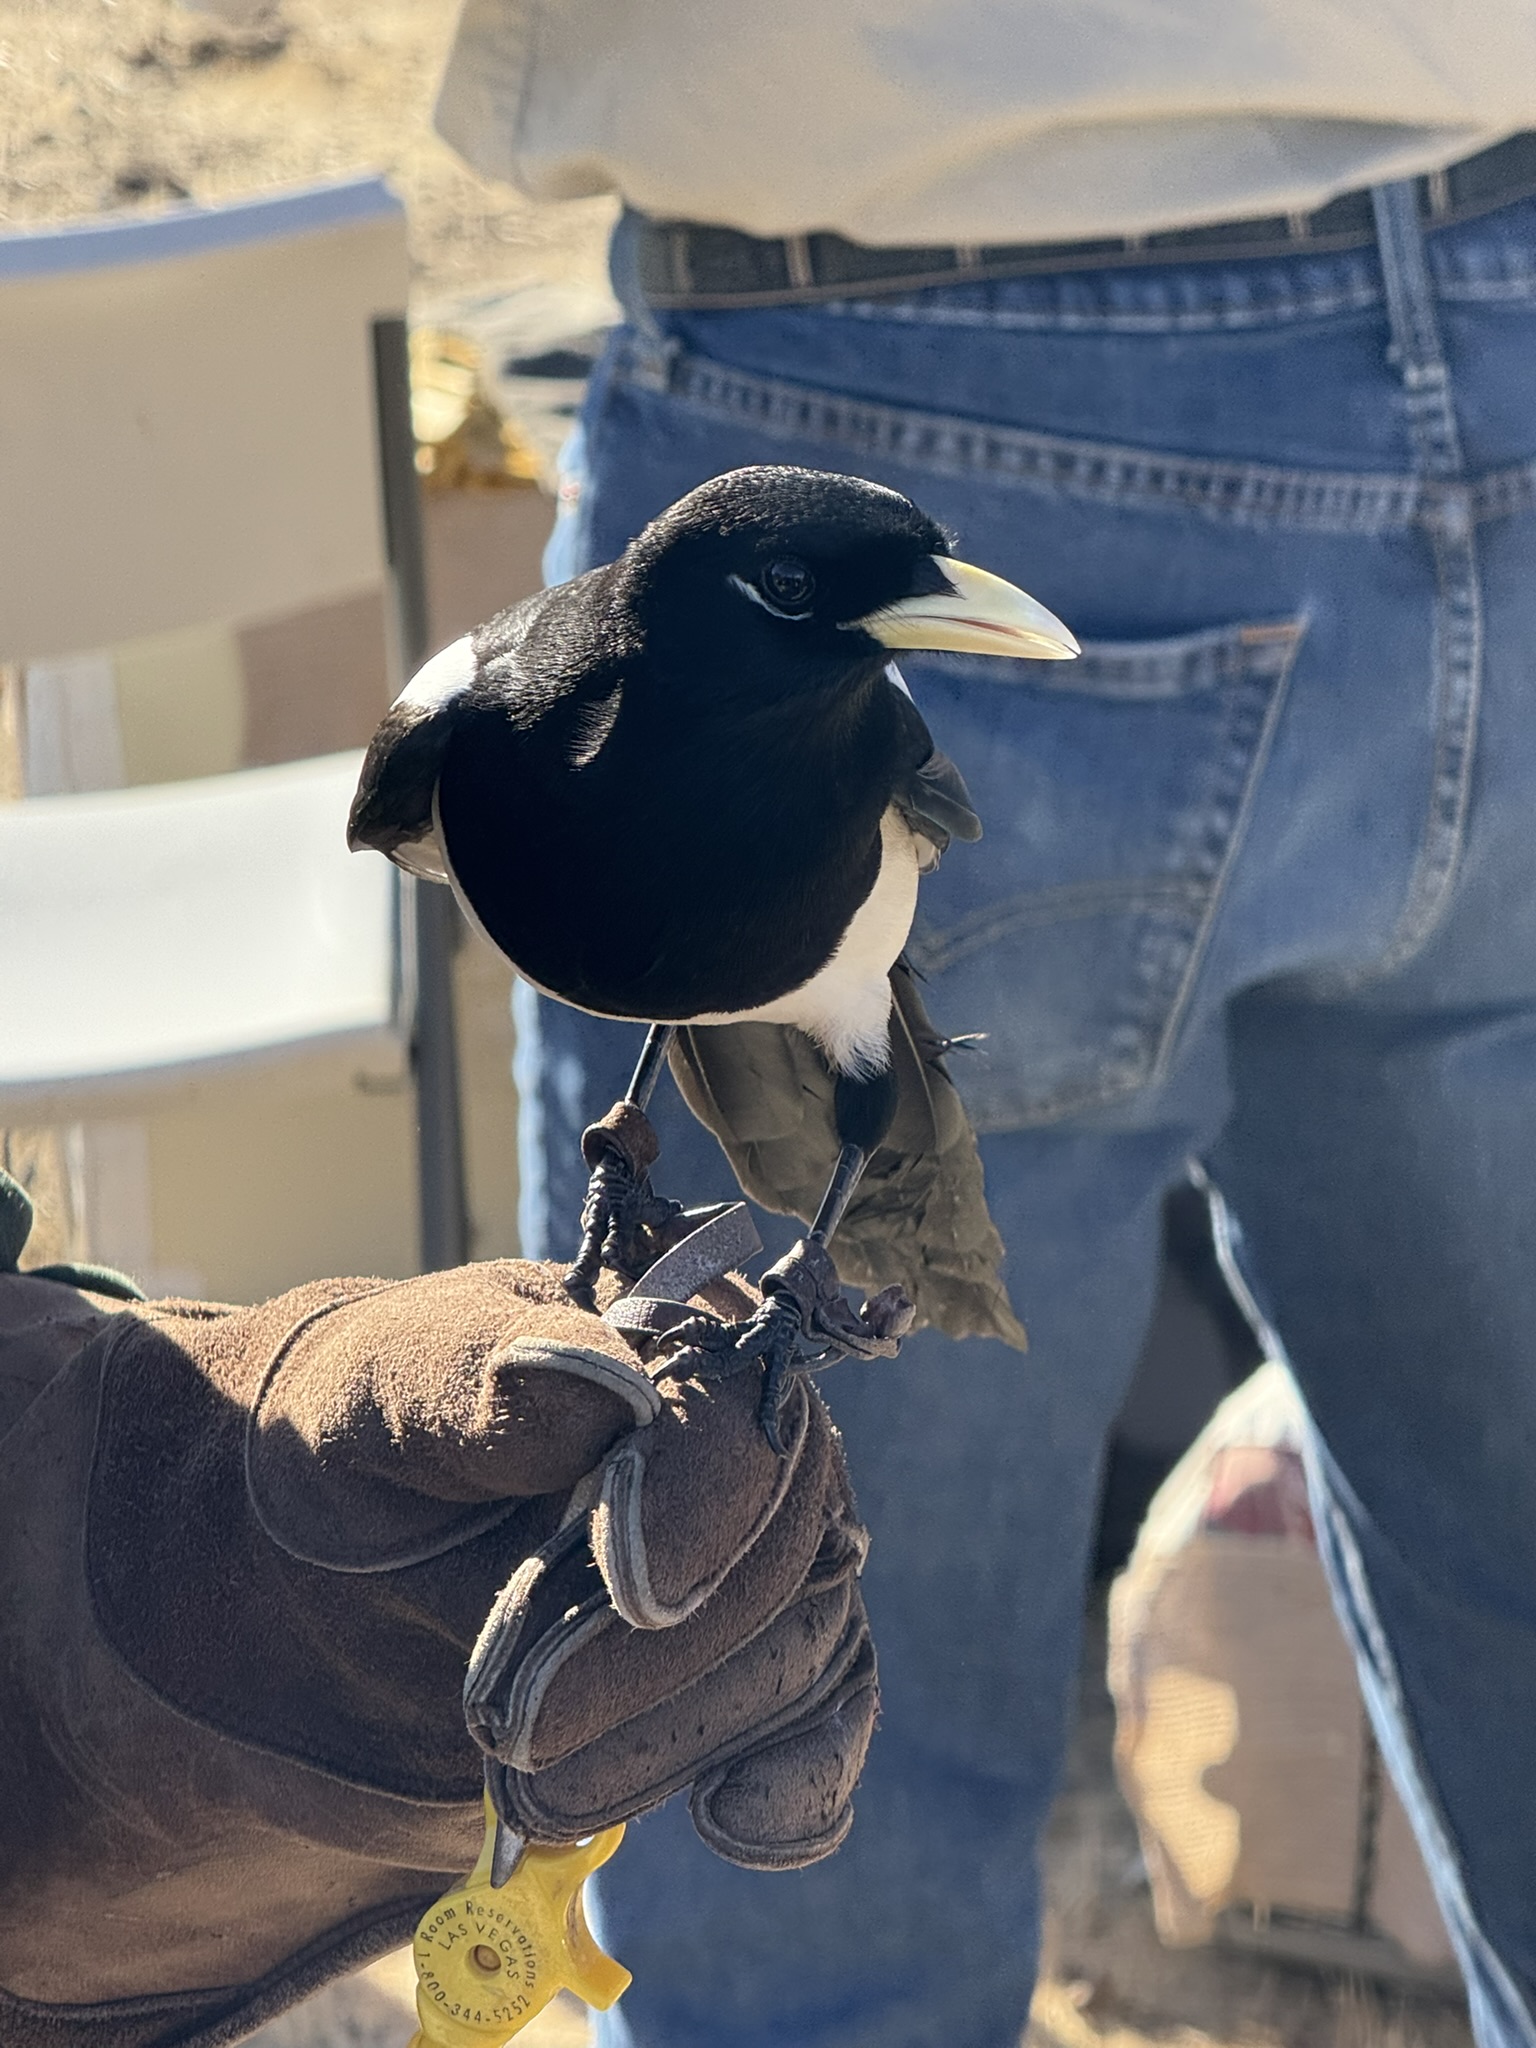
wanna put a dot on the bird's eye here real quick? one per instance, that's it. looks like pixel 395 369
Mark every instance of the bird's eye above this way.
pixel 789 584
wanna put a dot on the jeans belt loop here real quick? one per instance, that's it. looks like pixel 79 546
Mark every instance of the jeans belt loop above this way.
pixel 1416 349
pixel 652 351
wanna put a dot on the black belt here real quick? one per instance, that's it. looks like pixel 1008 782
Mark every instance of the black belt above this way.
pixel 684 264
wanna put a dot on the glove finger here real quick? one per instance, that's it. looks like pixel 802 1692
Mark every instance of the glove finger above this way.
pixel 683 1500
pixel 769 1687
pixel 547 1610
pixel 789 1800
pixel 557 1666
pixel 394 1424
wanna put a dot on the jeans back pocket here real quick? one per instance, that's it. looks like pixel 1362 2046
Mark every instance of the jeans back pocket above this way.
pixel 1114 792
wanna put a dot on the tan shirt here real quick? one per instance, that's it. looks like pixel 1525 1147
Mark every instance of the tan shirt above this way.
pixel 912 121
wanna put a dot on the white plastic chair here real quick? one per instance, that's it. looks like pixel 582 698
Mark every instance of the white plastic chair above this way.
pixel 158 935
pixel 187 415
pixel 205 416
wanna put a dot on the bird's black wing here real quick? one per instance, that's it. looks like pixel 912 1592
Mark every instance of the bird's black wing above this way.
pixel 931 793
pixel 392 810
pixel 919 1215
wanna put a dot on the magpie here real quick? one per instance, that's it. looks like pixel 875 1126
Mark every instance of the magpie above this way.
pixel 691 787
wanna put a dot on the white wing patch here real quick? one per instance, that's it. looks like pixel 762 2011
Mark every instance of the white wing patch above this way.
pixel 438 681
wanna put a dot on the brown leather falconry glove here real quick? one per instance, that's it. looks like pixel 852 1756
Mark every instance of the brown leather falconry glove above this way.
pixel 246 1557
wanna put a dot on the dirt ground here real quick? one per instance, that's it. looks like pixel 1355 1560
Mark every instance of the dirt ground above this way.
pixel 1108 1982
pixel 114 105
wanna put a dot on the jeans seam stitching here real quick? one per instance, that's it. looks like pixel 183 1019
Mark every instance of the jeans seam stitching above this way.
pixel 1388 502
pixel 1209 660
pixel 1350 1588
pixel 1503 493
pixel 1191 901
pixel 1457 667
pixel 1457 636
pixel 1071 903
pixel 1173 1024
pixel 1484 291
pixel 1068 1100
pixel 1363 503
pixel 1283 311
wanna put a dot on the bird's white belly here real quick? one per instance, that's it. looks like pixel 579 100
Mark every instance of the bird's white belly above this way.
pixel 846 1005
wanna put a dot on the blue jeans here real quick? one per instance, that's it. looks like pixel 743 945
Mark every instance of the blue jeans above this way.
pixel 1258 886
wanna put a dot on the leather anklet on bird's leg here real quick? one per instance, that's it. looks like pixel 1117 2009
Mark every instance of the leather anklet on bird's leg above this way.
pixel 623 1219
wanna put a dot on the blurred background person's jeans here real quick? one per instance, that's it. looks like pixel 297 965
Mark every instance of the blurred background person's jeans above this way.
pixel 1259 885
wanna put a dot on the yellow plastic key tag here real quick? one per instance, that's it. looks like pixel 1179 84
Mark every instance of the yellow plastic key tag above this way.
pixel 488 1957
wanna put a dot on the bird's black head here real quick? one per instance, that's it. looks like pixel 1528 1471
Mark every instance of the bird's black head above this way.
pixel 759 580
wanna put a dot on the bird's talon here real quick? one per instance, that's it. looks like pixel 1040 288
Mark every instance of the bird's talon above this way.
pixel 699 1349
pixel 774 1336
pixel 770 1426
pixel 704 1348
pixel 777 1370
pixel 704 1333
pixel 580 1289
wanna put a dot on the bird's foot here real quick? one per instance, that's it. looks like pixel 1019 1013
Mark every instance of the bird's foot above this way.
pixel 623 1220
pixel 803 1323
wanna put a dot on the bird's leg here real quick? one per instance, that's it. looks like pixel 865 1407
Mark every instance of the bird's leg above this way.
pixel 622 1213
pixel 790 1319
pixel 803 1301
pixel 653 1057
pixel 851 1162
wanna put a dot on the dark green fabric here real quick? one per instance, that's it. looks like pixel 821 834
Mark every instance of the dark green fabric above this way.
pixel 16 1214
pixel 91 1278
pixel 15 1221
pixel 920 1215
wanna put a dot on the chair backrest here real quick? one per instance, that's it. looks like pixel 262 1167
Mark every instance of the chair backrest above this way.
pixel 154 935
pixel 187 424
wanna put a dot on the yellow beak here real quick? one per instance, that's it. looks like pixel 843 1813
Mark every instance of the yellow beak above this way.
pixel 979 614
